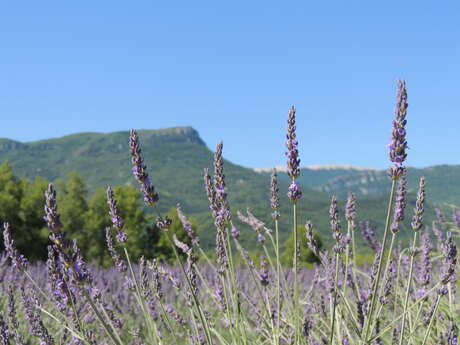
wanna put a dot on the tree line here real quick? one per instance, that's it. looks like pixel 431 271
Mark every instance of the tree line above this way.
pixel 83 217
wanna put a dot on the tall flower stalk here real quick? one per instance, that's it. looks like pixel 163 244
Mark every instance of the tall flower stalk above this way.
pixel 416 226
pixel 294 194
pixel 274 204
pixel 397 155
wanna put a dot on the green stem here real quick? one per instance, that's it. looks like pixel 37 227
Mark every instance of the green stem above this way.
pixel 296 285
pixel 101 319
pixel 379 269
pixel 278 282
pixel 334 306
pixel 195 299
pixel 406 298
pixel 427 333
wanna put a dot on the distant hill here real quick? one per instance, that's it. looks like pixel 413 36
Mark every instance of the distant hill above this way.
pixel 175 158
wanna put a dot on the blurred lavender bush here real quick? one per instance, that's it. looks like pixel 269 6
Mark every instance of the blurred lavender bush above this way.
pixel 405 296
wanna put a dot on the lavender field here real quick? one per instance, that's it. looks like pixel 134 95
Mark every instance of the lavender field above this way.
pixel 408 295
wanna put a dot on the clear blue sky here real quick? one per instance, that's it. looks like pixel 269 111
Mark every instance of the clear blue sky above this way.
pixel 232 69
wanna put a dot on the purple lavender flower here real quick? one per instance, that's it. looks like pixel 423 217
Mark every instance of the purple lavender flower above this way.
pixel 419 207
pixel 163 223
pixel 263 272
pixel 117 221
pixel 181 245
pixel 274 199
pixel 222 214
pixel 456 217
pixel 425 264
pixel 400 205
pixel 294 192
pixel 119 262
pixel 449 260
pixel 4 332
pixel 293 163
pixel 51 215
pixel 235 232
pixel 311 241
pixel 335 226
pixel 140 171
pixel 18 260
pixel 350 208
pixel 37 328
pixel 398 143
pixel 369 235
pixel 187 225
pixel 388 284
pixel 221 251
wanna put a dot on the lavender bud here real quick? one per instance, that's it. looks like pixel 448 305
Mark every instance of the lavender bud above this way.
pixel 181 245
pixel 400 205
pixel 350 208
pixel 187 225
pixel 119 263
pixel 425 265
pixel 294 192
pixel 263 272
pixel 449 260
pixel 398 143
pixel 369 235
pixel 235 232
pixel 293 163
pixel 311 241
pixel 117 221
pixel 274 199
pixel 335 225
pixel 456 217
pixel 18 260
pixel 140 171
pixel 163 223
pixel 419 209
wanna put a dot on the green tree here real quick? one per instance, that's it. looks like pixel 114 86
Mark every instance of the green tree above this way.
pixel 130 208
pixel 96 220
pixel 10 200
pixel 72 207
pixel 34 233
pixel 306 255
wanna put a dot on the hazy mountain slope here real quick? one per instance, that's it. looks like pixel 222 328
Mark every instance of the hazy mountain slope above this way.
pixel 175 158
pixel 442 183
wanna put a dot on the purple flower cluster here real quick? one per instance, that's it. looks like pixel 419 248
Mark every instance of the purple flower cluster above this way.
pixel 19 261
pixel 419 207
pixel 274 196
pixel 398 143
pixel 292 153
pixel 187 225
pixel 140 171
pixel 400 205
pixel 117 221
pixel 293 162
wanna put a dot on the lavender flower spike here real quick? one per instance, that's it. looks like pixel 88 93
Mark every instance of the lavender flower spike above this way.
pixel 117 221
pixel 187 225
pixel 350 208
pixel 400 204
pixel 335 225
pixel 274 199
pixel 292 153
pixel 398 143
pixel 140 171
pixel 19 261
pixel 419 209
pixel 51 214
